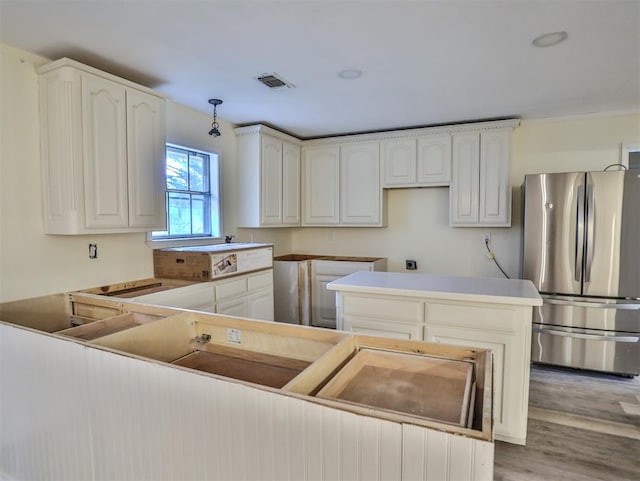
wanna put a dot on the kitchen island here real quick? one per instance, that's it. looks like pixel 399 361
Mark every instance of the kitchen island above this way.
pixel 487 313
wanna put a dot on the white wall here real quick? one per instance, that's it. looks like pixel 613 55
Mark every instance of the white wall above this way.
pixel 418 218
pixel 32 263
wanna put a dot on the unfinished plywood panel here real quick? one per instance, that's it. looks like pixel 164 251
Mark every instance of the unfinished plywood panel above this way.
pixel 266 337
pixel 46 313
pixel 163 340
pixel 107 326
pixel 266 370
pixel 433 388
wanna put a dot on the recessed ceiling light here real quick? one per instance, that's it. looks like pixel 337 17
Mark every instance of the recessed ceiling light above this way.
pixel 550 39
pixel 350 73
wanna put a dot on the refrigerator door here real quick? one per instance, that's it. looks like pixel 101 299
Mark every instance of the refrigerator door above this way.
pixel 612 227
pixel 553 231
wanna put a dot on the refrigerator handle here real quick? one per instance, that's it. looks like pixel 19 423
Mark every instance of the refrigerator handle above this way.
pixel 589 247
pixel 579 235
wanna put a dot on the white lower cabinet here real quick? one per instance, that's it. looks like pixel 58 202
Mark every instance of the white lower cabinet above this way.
pixel 506 330
pixel 199 297
pixel 249 295
pixel 503 328
pixel 323 301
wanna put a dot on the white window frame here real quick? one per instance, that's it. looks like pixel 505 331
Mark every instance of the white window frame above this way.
pixel 215 158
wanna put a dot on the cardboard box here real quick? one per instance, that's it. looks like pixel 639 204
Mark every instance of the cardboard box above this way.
pixel 195 266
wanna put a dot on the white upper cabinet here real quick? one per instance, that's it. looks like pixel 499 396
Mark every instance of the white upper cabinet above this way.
pixel 399 163
pixel 102 152
pixel 495 192
pixel 464 193
pixel 360 191
pixel 341 185
pixel 321 185
pixel 417 162
pixel 268 178
pixel 480 193
pixel 434 160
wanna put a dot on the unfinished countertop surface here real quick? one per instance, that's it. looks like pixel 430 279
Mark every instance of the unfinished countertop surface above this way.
pixel 481 289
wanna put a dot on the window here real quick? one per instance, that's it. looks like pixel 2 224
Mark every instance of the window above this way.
pixel 193 201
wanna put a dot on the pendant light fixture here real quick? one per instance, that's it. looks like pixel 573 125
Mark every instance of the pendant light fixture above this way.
pixel 215 132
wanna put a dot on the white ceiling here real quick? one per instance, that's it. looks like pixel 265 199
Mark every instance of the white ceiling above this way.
pixel 424 62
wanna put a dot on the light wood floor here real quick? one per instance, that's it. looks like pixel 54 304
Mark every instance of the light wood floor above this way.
pixel 582 426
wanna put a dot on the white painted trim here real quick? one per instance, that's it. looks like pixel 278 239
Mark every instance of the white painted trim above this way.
pixel 625 150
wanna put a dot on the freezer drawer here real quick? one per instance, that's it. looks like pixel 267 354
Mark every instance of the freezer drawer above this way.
pixel 589 313
pixel 608 351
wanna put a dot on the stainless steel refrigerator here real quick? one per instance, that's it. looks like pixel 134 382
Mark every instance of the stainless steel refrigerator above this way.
pixel 582 251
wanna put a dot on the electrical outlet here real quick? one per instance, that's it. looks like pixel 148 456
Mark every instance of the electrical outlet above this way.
pixel 93 251
pixel 410 265
pixel 486 237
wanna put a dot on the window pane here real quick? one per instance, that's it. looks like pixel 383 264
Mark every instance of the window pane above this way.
pixel 198 172
pixel 177 169
pixel 179 214
pixel 199 214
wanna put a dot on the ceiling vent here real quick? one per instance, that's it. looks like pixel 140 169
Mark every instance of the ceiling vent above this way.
pixel 274 81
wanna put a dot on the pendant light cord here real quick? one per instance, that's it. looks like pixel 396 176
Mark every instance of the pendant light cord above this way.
pixel 492 256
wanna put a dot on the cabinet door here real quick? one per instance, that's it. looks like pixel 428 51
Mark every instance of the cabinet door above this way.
pixel 464 191
pixel 290 184
pixel 236 307
pixel 260 305
pixel 323 301
pixel 271 181
pixel 321 181
pixel 105 153
pixel 434 160
pixel 399 163
pixel 495 192
pixel 360 192
pixel 370 327
pixel 146 160
pixel 499 344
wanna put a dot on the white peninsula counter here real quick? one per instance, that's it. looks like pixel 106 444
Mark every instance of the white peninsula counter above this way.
pixel 487 313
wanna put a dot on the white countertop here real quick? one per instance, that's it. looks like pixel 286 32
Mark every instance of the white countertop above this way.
pixel 480 289
pixel 232 246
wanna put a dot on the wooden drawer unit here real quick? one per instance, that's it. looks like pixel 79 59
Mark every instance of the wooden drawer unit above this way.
pixel 384 308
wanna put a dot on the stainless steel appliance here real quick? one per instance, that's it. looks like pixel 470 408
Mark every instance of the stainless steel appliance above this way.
pixel 582 252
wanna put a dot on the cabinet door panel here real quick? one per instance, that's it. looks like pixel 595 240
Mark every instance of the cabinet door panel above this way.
pixel 321 171
pixel 146 160
pixel 399 162
pixel 260 305
pixel 271 181
pixel 105 153
pixel 290 184
pixel 495 193
pixel 434 160
pixel 360 191
pixel 235 307
pixel 465 179
pixel 500 345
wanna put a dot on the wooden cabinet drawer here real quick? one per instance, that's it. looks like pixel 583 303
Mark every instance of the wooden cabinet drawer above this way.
pixel 473 316
pixel 231 288
pixel 383 308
